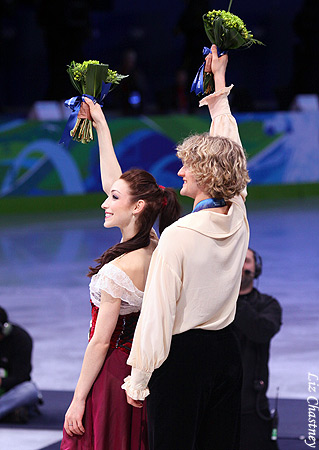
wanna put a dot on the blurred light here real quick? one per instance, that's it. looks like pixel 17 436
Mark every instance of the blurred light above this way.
pixel 305 102
pixel 134 99
pixel 49 110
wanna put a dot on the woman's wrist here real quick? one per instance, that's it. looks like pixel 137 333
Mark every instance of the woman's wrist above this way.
pixel 100 126
pixel 78 398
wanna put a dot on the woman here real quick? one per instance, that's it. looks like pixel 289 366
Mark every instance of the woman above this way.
pixel 99 417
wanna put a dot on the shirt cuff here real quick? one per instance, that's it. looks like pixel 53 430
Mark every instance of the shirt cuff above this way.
pixel 136 384
pixel 217 102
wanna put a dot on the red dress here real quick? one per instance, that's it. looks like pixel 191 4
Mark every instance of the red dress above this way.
pixel 110 422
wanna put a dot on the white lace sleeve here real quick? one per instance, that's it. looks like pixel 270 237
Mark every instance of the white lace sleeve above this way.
pixel 118 284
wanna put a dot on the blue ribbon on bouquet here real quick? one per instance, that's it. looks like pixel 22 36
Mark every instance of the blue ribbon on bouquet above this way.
pixel 74 104
pixel 198 83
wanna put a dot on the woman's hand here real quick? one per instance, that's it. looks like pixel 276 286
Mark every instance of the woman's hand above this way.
pixel 73 418
pixel 96 113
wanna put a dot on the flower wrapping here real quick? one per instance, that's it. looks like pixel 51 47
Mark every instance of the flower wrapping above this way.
pixel 227 31
pixel 93 80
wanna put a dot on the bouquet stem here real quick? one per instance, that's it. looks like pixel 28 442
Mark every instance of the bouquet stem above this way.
pixel 83 130
pixel 209 84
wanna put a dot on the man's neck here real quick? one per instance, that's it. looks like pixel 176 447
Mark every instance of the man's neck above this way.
pixel 199 197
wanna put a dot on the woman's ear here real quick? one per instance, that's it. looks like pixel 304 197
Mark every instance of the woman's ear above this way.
pixel 139 206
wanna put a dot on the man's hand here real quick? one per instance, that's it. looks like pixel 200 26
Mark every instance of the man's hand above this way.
pixel 217 66
pixel 135 403
pixel 214 64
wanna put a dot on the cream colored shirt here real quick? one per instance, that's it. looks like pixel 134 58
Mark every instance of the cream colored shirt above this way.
pixel 194 275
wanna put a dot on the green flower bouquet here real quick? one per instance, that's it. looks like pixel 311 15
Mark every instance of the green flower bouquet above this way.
pixel 227 31
pixel 93 80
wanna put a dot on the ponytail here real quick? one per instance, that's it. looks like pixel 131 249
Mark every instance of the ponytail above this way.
pixel 159 201
pixel 170 211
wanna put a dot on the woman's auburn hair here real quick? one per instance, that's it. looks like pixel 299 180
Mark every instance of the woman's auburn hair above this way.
pixel 218 164
pixel 159 202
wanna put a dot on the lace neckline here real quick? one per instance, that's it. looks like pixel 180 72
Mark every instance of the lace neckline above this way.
pixel 125 274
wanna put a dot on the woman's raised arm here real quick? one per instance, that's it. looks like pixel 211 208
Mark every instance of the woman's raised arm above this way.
pixel 110 167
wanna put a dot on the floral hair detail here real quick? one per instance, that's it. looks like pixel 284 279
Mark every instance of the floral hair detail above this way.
pixel 164 199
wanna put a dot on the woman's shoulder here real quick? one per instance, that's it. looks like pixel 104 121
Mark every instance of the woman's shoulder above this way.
pixel 135 264
pixel 136 259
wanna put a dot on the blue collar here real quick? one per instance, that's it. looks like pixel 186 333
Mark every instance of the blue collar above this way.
pixel 209 203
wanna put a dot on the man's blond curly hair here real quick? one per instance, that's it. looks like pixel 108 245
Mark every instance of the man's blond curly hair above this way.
pixel 217 163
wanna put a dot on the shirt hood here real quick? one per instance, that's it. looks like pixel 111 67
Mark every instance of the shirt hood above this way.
pixel 216 225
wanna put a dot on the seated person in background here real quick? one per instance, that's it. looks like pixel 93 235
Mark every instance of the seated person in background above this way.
pixel 257 320
pixel 17 391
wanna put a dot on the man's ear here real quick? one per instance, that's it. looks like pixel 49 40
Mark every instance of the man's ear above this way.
pixel 139 206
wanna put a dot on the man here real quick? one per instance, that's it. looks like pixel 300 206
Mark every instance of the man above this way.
pixel 183 347
pixel 17 391
pixel 257 320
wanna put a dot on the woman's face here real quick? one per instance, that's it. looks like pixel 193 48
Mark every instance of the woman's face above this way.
pixel 119 206
pixel 190 187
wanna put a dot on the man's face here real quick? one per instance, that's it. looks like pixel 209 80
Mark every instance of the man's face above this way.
pixel 190 187
pixel 248 271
